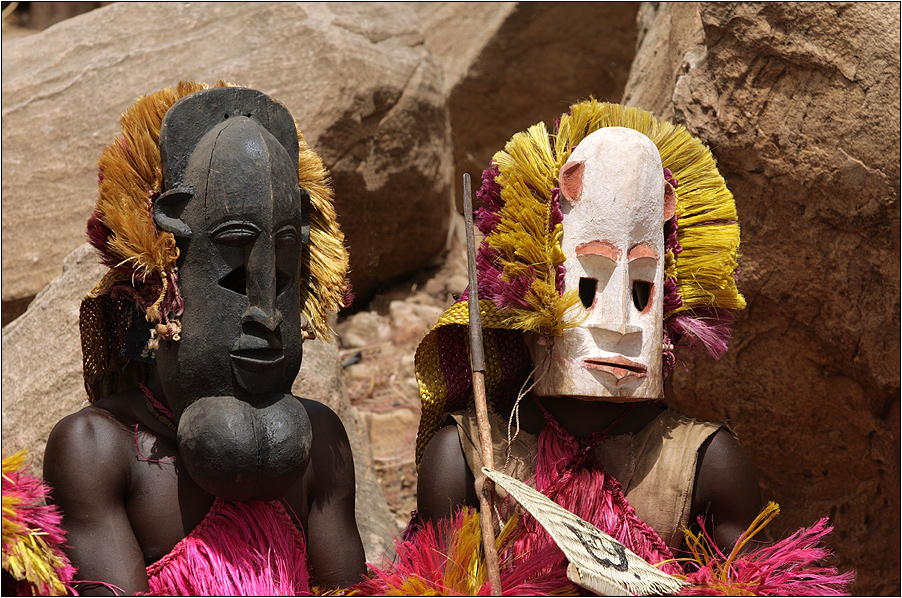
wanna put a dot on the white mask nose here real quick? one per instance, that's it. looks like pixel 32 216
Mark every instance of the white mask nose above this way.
pixel 613 309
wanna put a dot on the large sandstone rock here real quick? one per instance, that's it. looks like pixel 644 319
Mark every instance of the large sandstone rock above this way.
pixel 458 32
pixel 42 374
pixel 365 89
pixel 800 105
pixel 510 65
pixel 41 15
pixel 42 383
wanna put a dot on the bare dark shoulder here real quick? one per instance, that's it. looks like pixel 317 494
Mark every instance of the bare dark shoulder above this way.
pixel 330 466
pixel 726 488
pixel 94 449
pixel 722 458
pixel 87 464
pixel 331 461
pixel 324 420
pixel 445 481
pixel 89 444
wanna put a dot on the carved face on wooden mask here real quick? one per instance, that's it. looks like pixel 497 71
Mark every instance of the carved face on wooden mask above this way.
pixel 613 202
pixel 236 209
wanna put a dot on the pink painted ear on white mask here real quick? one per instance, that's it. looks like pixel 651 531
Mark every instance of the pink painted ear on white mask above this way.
pixel 669 201
pixel 571 180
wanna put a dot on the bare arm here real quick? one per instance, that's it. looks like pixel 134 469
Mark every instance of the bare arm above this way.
pixel 334 549
pixel 726 489
pixel 445 481
pixel 86 466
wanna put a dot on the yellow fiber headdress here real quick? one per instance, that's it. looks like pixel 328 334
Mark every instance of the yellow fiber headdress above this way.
pixel 520 261
pixel 142 258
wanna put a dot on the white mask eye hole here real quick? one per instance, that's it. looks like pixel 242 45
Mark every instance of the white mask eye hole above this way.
pixel 641 294
pixel 587 289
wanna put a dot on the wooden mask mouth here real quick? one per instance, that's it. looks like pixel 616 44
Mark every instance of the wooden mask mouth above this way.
pixel 257 360
pixel 257 353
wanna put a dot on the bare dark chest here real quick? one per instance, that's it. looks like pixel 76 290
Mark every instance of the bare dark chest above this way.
pixel 164 504
pixel 162 501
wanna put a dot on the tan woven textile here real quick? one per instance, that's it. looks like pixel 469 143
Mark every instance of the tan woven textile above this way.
pixel 655 467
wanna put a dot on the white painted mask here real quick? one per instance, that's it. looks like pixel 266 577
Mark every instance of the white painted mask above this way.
pixel 613 200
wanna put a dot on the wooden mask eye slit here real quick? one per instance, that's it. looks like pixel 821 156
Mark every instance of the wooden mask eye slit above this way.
pixel 587 288
pixel 235 281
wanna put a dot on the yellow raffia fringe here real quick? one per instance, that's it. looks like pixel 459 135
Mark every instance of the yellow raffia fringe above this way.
pixel 11 529
pixel 703 554
pixel 29 559
pixel 527 174
pixel 132 173
pixel 325 255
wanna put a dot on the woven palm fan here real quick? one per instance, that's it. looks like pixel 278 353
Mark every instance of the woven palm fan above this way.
pixel 597 561
pixel 142 283
pixel 521 264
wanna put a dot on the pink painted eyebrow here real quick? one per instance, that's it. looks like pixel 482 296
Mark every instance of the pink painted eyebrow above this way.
pixel 640 251
pixel 602 248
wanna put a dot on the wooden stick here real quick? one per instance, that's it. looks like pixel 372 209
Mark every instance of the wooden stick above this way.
pixel 477 364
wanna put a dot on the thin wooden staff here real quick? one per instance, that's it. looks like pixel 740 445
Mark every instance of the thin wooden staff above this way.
pixel 477 364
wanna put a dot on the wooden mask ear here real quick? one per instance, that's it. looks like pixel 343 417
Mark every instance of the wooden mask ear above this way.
pixel 669 201
pixel 167 211
pixel 571 181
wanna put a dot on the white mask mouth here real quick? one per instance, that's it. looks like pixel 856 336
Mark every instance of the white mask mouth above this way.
pixel 617 366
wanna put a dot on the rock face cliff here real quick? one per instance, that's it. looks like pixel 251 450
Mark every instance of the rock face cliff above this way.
pixel 800 105
pixel 798 102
